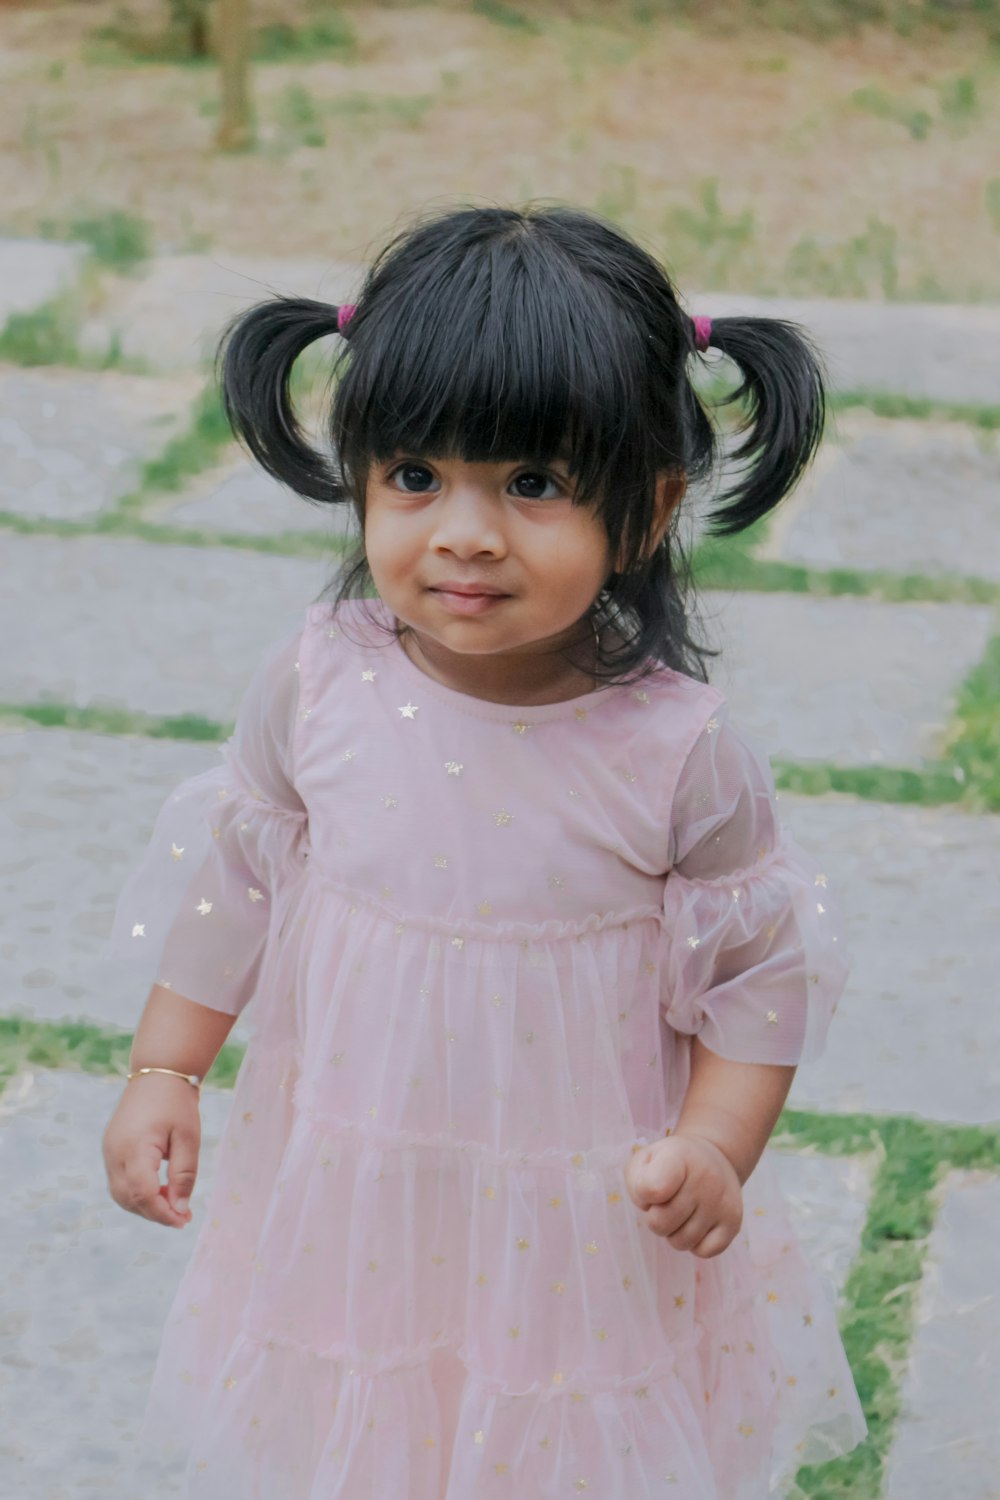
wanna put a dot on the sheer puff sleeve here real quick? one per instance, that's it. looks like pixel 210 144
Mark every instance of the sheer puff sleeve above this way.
pixel 195 913
pixel 755 949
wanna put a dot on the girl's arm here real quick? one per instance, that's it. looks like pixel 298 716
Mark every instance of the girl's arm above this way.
pixel 174 1032
pixel 733 1105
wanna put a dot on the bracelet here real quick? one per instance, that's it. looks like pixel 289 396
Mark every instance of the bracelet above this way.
pixel 192 1078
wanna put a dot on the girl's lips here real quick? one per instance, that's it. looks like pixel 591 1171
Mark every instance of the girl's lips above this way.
pixel 462 602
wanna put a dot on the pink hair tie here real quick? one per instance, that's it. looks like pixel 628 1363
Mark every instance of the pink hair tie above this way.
pixel 344 315
pixel 702 333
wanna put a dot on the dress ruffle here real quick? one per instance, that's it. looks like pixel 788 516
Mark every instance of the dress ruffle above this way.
pixel 755 960
pixel 293 1380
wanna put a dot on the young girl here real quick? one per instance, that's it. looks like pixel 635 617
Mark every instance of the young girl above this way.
pixel 531 958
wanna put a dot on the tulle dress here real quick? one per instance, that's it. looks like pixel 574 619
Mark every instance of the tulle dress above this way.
pixel 475 942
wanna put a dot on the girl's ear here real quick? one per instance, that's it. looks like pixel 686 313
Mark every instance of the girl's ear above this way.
pixel 671 487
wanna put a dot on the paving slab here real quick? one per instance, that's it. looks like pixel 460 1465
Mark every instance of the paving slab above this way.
pixel 948 1441
pixel 918 1029
pixel 848 681
pixel 72 443
pixel 239 497
pixel 938 351
pixel 157 628
pixel 76 814
pixel 171 315
pixel 88 1286
pixel 912 497
pixel 33 272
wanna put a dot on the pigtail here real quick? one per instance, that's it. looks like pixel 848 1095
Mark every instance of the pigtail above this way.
pixel 254 366
pixel 783 388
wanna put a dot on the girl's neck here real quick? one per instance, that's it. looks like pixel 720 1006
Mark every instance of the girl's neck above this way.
pixel 529 679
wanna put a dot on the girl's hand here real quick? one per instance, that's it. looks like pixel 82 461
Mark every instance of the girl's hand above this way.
pixel 157 1117
pixel 689 1191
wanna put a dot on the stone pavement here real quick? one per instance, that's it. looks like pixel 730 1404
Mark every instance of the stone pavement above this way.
pixel 165 628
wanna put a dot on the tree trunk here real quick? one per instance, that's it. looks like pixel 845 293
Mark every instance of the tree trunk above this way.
pixel 233 42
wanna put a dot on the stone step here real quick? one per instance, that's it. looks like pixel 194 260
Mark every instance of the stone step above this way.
pixel 948 1441
pixel 911 497
pixel 919 887
pixel 33 272
pixel 937 351
pixel 72 442
pixel 89 1286
pixel 239 497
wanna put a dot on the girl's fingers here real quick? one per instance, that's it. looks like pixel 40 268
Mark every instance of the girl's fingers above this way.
pixel 666 1218
pixel 714 1242
pixel 692 1232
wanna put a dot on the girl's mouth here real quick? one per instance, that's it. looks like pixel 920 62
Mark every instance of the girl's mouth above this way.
pixel 467 599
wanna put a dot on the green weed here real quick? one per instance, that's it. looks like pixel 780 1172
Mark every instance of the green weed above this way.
pixel 883 106
pixel 861 266
pixel 118 239
pixel 958 101
pixel 706 239
pixel 508 16
pixel 332 35
pixel 991 202
pixel 299 117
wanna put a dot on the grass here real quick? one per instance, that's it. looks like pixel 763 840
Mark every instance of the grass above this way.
pixel 118 240
pixel 50 335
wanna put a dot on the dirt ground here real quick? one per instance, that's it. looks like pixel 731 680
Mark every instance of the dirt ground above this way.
pixel 857 166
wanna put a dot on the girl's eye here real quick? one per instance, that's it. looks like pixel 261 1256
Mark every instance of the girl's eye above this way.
pixel 535 486
pixel 415 479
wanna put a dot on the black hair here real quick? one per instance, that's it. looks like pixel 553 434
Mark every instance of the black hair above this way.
pixel 496 335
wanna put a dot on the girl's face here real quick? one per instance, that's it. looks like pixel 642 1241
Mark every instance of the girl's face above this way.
pixel 492 567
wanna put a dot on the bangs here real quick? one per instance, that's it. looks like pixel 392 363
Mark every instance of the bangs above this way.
pixel 499 353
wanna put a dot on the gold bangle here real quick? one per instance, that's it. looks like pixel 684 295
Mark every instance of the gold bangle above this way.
pixel 192 1078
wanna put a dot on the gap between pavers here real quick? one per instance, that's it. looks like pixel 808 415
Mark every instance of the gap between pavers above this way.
pixel 917 1032
pixel 238 497
pixel 175 629
pixel 90 1286
pixel 917 497
pixel 73 442
pixel 948 1439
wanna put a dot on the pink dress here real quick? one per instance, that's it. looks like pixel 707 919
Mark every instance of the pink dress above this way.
pixel 475 941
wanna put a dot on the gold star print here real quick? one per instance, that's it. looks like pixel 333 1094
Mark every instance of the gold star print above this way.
pixel 484 909
pixel 489 1192
pixel 514 1332
pixel 440 861
pixel 497 1001
pixel 503 819
pixel 556 882
pixel 194 1308
pixel 591 1247
pixel 477 1437
pixel 175 851
pixel 390 802
pixel 737 893
pixel 558 1287
pixel 772 1296
pixel 601 1335
pixel 712 724
pixel 230 1383
pixel 409 710
pixel 694 942
pixel 746 1428
pixel 428 1441
pixel 558 1377
pixel 579 1484
pixel 555 1202
pixel 520 727
pixel 454 767
pixel 627 1282
pixel 522 1243
pixel 820 908
pixel 139 929
pixel 368 675
pixel 500 1468
pixel 820 880
pixel 807 1320
pixel 642 1391
pixel 255 1421
pixel 373 1265
pixel 254 894
pixel 680 1300
pixel 458 942
pixel 337 1059
pixel 772 1018
pixel 641 696
pixel 614 1198
pixel 204 907
pixel 248 1117
pixel 576 1159
pixel 482 1279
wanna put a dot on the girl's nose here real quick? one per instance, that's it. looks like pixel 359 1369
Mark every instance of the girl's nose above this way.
pixel 468 524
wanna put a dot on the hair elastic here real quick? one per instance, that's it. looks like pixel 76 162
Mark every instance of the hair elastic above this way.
pixel 344 315
pixel 702 333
